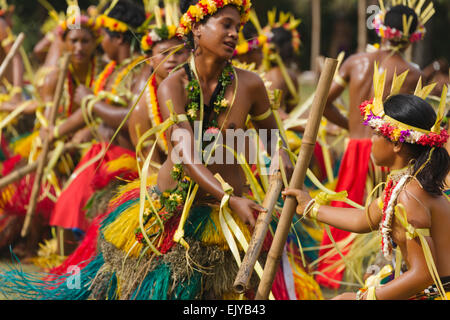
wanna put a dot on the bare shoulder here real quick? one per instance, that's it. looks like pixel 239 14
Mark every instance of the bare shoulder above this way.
pixel 359 57
pixel 173 88
pixel 249 79
pixel 418 204
pixel 3 27
pixel 173 83
pixel 357 64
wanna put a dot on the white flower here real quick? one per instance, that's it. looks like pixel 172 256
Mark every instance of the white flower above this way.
pixel 154 36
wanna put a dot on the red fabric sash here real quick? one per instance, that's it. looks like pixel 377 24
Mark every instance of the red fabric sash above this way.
pixel 69 212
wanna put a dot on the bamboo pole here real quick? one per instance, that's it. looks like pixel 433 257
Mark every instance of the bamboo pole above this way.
pixel 45 147
pixel 362 28
pixel 315 36
pixel 23 171
pixel 259 234
pixel 12 52
pixel 298 177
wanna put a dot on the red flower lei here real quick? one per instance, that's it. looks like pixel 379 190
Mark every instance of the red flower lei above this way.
pixel 101 81
pixel 387 196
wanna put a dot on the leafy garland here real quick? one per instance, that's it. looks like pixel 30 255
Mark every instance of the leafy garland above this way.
pixel 103 76
pixel 171 202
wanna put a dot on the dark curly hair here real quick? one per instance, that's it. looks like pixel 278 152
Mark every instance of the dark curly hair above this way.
pixel 418 113
pixel 282 39
pixel 394 19
pixel 128 12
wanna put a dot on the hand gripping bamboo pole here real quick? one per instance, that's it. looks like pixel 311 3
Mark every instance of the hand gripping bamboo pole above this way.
pixel 259 234
pixel 12 52
pixel 298 177
pixel 45 146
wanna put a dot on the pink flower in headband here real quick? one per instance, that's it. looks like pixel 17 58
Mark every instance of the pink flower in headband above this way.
pixel 363 106
pixel 386 129
pixel 433 139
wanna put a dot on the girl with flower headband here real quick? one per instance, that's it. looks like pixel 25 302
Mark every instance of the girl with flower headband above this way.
pixel 82 44
pixel 157 43
pixel 211 28
pixel 356 168
pixel 413 213
pixel 166 245
pixel 100 110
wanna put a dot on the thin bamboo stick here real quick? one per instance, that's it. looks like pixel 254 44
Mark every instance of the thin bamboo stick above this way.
pixel 298 177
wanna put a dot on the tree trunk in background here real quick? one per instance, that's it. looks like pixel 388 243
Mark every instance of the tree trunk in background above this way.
pixel 315 36
pixel 362 28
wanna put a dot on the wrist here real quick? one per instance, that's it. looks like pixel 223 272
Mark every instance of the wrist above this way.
pixel 56 132
pixel 314 211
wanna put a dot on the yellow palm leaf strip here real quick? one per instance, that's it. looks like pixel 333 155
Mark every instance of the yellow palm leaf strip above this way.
pixel 411 233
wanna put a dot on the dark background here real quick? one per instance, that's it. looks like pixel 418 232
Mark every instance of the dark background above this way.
pixel 339 25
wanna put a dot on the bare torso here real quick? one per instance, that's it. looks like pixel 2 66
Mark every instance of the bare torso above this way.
pixel 246 99
pixel 431 212
pixel 358 72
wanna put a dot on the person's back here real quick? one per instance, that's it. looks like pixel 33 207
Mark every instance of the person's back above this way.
pixel 359 69
pixel 357 172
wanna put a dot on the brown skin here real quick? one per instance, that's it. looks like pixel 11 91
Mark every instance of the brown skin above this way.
pixel 117 49
pixel 255 56
pixel 275 76
pixel 440 76
pixel 14 72
pixel 433 215
pixel 357 71
pixel 447 146
pixel 215 41
pixel 81 44
pixel 139 121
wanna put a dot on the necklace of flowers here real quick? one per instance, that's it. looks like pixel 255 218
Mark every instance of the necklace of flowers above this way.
pixel 219 104
pixel 103 76
pixel 396 181
pixel 154 108
pixel 124 72
pixel 218 101
pixel 172 201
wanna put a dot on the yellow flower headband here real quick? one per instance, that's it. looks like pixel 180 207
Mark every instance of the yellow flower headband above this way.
pixel 374 116
pixel 244 46
pixel 84 21
pixel 206 8
pixel 5 8
pixel 288 22
pixel 158 34
pixel 161 30
pixel 113 25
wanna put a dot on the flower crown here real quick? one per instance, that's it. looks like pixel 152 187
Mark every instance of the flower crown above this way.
pixel 161 30
pixel 113 25
pixel 205 8
pixel 158 34
pixel 288 22
pixel 389 33
pixel 374 116
pixel 84 21
pixel 5 8
pixel 245 46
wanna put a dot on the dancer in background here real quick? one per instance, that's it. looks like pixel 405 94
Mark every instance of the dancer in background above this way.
pixel 357 174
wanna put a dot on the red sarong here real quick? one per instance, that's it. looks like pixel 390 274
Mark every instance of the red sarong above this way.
pixel 69 210
pixel 352 178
